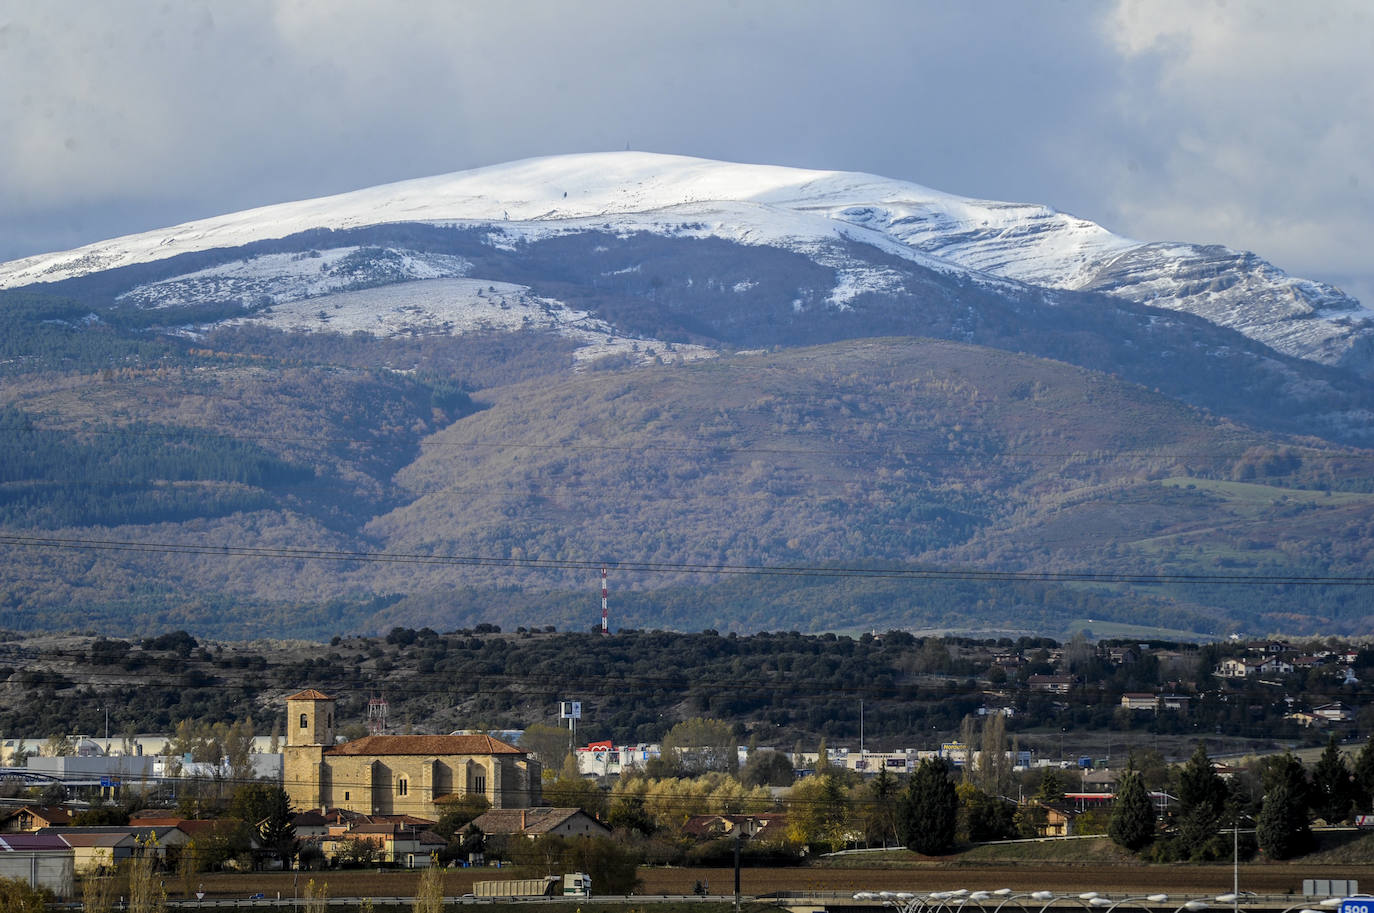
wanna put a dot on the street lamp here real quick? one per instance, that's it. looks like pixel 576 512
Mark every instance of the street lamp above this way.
pixel 944 900
pixel 977 897
pixel 1150 898
pixel 1008 896
pixel 900 901
pixel 1192 906
pixel 1233 898
pixel 1300 908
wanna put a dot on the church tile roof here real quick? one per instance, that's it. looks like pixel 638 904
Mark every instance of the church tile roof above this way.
pixel 424 745
pixel 310 694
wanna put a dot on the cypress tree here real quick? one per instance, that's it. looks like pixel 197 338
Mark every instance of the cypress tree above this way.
pixel 1363 777
pixel 276 832
pixel 1133 818
pixel 1282 829
pixel 1332 789
pixel 1199 787
pixel 1202 799
pixel 927 815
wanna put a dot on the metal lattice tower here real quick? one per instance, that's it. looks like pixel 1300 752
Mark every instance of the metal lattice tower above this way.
pixel 376 716
pixel 604 628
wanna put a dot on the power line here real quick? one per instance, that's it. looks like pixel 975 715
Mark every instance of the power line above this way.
pixel 655 567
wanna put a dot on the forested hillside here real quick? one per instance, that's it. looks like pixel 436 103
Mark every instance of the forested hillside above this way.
pixel 775 689
pixel 248 481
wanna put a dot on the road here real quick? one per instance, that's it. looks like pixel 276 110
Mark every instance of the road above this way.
pixel 1190 880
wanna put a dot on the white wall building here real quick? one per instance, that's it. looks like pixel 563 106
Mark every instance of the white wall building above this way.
pixel 38 861
pixel 604 759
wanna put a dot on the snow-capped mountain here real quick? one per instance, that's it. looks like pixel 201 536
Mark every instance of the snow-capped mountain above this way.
pixel 820 214
pixel 683 363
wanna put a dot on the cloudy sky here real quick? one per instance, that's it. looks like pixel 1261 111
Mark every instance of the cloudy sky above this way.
pixel 1246 123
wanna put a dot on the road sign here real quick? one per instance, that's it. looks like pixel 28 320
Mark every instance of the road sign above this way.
pixel 1363 904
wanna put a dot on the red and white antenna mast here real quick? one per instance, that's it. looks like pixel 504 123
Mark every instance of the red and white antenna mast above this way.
pixel 604 628
pixel 376 716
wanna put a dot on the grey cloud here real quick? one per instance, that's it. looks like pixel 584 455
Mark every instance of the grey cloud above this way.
pixel 125 113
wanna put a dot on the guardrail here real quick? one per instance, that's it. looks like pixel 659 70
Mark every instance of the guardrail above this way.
pixel 1251 903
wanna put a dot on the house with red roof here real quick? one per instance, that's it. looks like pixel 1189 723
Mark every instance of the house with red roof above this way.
pixel 29 818
pixel 394 843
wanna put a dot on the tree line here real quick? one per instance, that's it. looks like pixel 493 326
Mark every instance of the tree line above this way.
pixel 779 688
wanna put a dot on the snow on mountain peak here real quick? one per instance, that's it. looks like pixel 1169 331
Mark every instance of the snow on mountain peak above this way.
pixel 566 188
pixel 796 208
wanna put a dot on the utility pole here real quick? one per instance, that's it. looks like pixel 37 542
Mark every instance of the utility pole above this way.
pixel 1235 864
pixel 739 836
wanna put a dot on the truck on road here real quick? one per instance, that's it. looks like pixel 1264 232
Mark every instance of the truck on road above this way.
pixel 573 884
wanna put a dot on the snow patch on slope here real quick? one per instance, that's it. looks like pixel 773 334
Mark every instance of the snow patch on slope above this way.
pixel 457 307
pixel 279 278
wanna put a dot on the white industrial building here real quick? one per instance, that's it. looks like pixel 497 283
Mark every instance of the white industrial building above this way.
pixel 39 861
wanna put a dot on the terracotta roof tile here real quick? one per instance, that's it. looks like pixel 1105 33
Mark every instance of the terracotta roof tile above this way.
pixel 53 814
pixel 387 828
pixel 310 694
pixel 534 820
pixel 424 745
pixel 403 820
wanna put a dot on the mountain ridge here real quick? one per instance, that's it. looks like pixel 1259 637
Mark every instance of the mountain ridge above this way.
pixel 457 415
pixel 803 210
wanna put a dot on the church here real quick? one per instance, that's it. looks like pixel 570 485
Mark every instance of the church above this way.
pixel 397 774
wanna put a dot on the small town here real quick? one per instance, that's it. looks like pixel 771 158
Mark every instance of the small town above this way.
pixel 736 456
pixel 339 789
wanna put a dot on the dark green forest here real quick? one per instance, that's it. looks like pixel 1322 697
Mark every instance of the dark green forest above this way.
pixel 773 688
